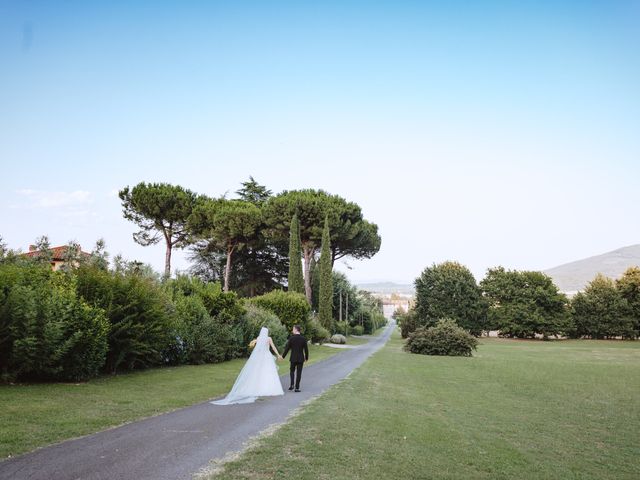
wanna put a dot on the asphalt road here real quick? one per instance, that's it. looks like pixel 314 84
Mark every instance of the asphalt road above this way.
pixel 178 444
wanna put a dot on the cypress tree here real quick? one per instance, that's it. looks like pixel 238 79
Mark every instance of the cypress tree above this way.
pixel 296 281
pixel 325 306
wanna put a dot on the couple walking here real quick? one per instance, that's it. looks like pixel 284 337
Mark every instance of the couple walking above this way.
pixel 259 376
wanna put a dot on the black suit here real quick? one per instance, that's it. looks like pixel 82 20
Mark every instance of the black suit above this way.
pixel 299 354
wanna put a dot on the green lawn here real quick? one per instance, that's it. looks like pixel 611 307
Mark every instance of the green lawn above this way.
pixel 516 410
pixel 40 414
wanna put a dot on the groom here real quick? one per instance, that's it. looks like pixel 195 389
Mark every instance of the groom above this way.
pixel 299 354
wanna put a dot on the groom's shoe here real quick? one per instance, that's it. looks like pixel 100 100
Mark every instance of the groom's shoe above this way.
pixel 297 390
pixel 291 388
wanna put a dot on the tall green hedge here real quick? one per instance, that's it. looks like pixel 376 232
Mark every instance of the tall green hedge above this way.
pixel 139 315
pixel 290 307
pixel 47 332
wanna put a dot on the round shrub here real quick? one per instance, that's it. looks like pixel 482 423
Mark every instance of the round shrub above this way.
pixel 445 338
pixel 338 339
pixel 258 317
pixel 357 330
pixel 291 308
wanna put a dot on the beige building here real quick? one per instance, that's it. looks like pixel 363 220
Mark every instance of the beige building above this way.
pixel 58 255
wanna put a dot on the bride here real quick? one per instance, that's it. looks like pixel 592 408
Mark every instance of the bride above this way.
pixel 259 376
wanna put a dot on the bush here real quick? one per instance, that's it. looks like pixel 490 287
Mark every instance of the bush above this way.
pixel 342 328
pixel 139 315
pixel 601 311
pixel 257 318
pixel 46 331
pixel 316 332
pixel 357 330
pixel 338 339
pixel 449 290
pixel 199 337
pixel 407 322
pixel 523 304
pixel 291 308
pixel 217 302
pixel 445 338
pixel 210 325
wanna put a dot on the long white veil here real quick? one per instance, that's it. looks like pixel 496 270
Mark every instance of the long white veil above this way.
pixel 259 376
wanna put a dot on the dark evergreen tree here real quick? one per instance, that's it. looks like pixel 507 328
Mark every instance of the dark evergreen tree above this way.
pixel 600 311
pixel 448 290
pixel 325 307
pixel 296 280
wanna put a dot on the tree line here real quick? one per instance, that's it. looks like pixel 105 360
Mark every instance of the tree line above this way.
pixel 248 256
pixel 524 304
pixel 96 316
pixel 244 242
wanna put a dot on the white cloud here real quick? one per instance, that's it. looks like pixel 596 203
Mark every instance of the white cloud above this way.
pixel 50 199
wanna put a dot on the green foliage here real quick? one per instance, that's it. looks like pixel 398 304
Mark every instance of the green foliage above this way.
pixel 523 304
pixel 406 321
pixel 357 330
pixel 258 267
pixel 253 192
pixel 601 311
pixel 99 256
pixel 296 279
pixel 368 312
pixel 227 225
pixel 43 247
pixel 209 324
pixel 200 338
pixel 316 332
pixel 445 338
pixel 257 318
pixel 290 307
pixel 349 235
pixel 46 331
pixel 160 211
pixel 342 328
pixel 629 288
pixel 139 315
pixel 325 306
pixel 4 249
pixel 448 290
pixel 216 302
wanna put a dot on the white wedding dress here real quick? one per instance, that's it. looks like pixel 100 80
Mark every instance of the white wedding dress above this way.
pixel 259 376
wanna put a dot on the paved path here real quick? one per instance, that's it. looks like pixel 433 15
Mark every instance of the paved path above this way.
pixel 176 445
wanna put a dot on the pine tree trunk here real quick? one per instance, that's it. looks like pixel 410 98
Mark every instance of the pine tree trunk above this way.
pixel 167 261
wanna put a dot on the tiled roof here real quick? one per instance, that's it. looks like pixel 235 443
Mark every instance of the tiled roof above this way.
pixel 57 253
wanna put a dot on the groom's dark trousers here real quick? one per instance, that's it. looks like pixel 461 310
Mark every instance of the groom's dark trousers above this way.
pixel 296 367
pixel 297 344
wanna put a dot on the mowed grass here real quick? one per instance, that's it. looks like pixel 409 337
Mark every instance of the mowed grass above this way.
pixel 516 410
pixel 36 415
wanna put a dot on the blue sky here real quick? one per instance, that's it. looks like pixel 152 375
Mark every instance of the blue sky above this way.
pixel 493 133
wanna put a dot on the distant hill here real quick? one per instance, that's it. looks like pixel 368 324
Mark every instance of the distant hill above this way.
pixel 387 288
pixel 573 277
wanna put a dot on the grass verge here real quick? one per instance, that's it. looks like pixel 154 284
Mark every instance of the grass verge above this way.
pixel 517 409
pixel 34 415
